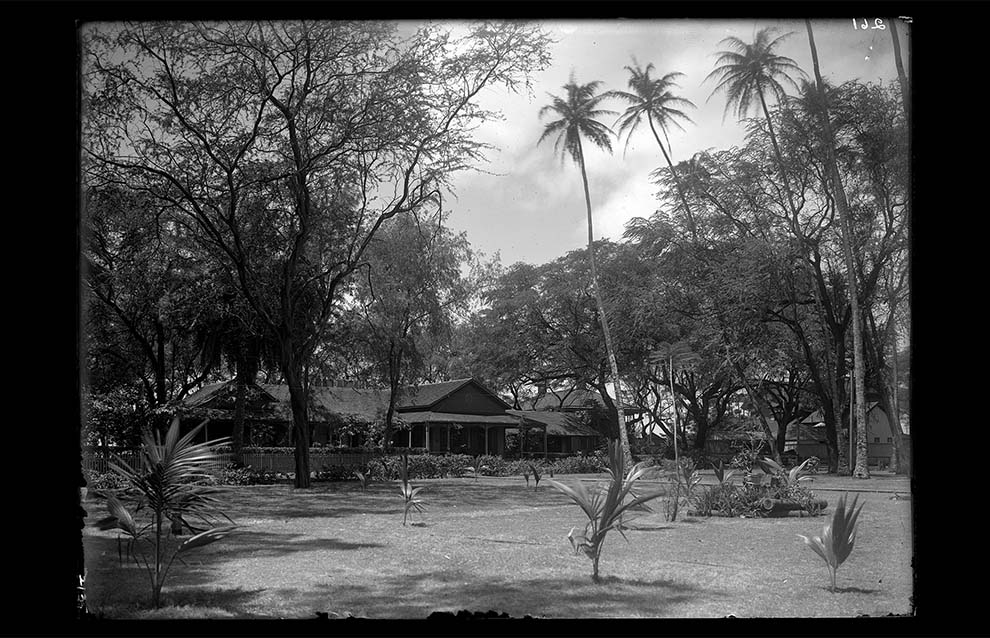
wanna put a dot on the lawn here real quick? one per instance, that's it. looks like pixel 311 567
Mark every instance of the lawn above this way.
pixel 496 544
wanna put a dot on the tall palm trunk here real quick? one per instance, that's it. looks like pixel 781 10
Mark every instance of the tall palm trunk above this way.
pixel 610 351
pixel 901 77
pixel 677 459
pixel 862 446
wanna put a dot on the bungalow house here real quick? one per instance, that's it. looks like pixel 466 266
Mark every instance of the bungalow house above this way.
pixel 563 432
pixel 807 437
pixel 455 416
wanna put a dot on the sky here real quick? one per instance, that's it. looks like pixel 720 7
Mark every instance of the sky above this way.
pixel 529 206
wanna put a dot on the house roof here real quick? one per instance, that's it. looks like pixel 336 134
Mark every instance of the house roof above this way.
pixel 428 395
pixel 324 401
pixel 426 416
pixel 272 400
pixel 576 399
pixel 804 432
pixel 556 423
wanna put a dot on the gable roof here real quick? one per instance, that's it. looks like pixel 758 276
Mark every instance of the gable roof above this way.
pixel 428 395
pixel 326 401
pixel 556 423
pixel 576 399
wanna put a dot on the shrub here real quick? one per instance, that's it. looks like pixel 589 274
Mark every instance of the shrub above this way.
pixel 582 465
pixel 334 473
pixel 238 474
pixel 104 481
pixel 747 500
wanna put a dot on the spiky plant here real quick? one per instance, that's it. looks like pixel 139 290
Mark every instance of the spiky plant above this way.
pixel 536 476
pixel 722 475
pixel 362 478
pixel 409 493
pixel 790 478
pixel 838 536
pixel 607 508
pixel 169 486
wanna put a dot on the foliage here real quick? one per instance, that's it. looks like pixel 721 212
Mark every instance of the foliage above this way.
pixel 362 478
pixel 114 418
pixel 169 486
pixel 838 536
pixel 748 455
pixel 536 476
pixel 239 474
pixel 607 508
pixel 774 482
pixel 329 472
pixel 104 481
pixel 686 478
pixel 272 188
pixel 409 493
pixel 782 477
pixel 580 464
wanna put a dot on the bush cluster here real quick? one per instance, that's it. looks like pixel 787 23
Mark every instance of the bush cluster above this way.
pixel 385 468
pixel 237 474
pixel 104 480
pixel 727 499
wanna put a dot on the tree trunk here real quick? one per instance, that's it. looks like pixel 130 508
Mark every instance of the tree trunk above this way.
pixel 761 405
pixel 394 366
pixel 300 423
pixel 898 461
pixel 862 447
pixel 901 77
pixel 610 351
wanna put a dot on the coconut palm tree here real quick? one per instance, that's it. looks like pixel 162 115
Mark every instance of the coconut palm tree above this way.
pixel 578 111
pixel 842 206
pixel 748 72
pixel 652 98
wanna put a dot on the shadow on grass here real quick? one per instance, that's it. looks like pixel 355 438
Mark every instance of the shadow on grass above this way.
pixel 416 596
pixel 183 603
pixel 852 590
pixel 261 543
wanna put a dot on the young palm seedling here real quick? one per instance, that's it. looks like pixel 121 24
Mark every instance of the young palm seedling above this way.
pixel 409 493
pixel 536 477
pixel 362 478
pixel 685 480
pixel 169 487
pixel 838 536
pixel 606 507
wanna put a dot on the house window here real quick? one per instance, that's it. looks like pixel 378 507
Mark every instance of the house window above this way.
pixel 889 439
pixel 876 439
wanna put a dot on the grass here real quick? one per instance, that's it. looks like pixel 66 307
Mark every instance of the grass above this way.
pixel 493 544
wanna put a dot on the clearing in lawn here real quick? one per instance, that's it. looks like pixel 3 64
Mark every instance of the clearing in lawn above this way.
pixel 496 544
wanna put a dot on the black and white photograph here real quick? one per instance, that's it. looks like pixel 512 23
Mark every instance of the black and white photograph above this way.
pixel 462 319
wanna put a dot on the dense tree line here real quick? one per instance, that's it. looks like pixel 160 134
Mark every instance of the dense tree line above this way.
pixel 266 200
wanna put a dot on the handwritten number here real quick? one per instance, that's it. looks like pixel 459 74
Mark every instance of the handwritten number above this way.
pixel 878 24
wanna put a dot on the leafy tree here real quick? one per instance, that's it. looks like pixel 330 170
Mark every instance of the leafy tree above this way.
pixel 147 297
pixel 577 113
pixel 284 147
pixel 413 289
